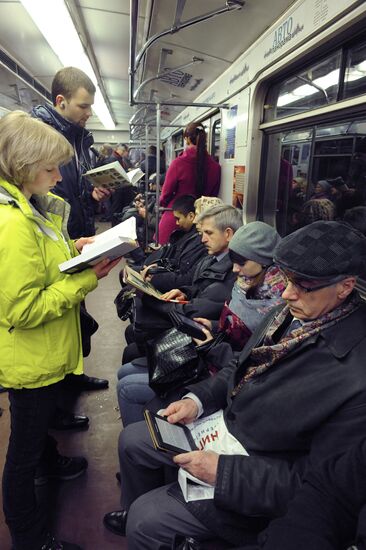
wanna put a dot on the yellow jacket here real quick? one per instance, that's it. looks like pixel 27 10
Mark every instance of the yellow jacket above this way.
pixel 40 337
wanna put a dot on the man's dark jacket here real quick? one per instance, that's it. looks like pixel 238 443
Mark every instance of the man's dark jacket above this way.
pixel 303 409
pixel 211 287
pixel 74 188
pixel 183 252
pixel 328 510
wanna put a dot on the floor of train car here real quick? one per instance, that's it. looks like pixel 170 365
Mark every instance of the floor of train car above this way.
pixel 77 507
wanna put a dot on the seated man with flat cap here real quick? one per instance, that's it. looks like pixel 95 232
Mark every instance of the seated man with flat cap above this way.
pixel 295 396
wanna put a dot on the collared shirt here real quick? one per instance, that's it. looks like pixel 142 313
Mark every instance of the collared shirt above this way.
pixel 221 256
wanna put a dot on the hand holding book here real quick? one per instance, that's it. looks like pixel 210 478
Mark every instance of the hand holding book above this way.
pixel 101 269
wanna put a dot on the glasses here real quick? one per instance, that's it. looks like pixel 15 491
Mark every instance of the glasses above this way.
pixel 306 285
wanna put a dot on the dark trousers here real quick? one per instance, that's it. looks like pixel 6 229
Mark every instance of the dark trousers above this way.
pixel 154 516
pixel 31 411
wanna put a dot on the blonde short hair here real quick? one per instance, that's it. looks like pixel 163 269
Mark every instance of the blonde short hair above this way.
pixel 27 144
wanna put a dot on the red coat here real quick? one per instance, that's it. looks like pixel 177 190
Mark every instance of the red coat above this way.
pixel 180 180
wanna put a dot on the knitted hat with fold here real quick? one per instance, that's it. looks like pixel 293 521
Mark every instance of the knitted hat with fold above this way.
pixel 255 241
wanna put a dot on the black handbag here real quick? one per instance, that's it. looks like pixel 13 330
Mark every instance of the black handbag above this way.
pixel 124 302
pixel 88 327
pixel 173 362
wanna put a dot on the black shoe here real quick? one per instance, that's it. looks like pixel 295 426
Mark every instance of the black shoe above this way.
pixel 65 468
pixel 65 420
pixel 52 544
pixel 88 383
pixel 116 522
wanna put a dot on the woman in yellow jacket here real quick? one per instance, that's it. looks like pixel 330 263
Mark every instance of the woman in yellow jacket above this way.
pixel 40 337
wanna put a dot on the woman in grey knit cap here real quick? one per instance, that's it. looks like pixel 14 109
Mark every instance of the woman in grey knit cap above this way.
pixel 258 288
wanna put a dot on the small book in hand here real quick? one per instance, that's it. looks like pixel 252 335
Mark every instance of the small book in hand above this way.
pixel 186 325
pixel 169 438
pixel 112 175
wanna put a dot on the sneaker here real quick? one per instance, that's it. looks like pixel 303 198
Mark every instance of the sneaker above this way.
pixel 65 468
pixel 52 544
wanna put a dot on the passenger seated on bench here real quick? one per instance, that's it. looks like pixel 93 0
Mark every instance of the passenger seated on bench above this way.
pixel 296 396
pixel 258 288
pixel 182 253
pixel 212 281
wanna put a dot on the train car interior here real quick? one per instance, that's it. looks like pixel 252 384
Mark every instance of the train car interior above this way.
pixel 279 88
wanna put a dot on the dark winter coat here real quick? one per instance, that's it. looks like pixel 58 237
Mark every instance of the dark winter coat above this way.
pixel 74 188
pixel 211 287
pixel 183 252
pixel 305 408
pixel 325 513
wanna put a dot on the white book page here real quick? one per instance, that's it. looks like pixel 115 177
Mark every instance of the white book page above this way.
pixel 111 166
pixel 125 230
pixel 135 175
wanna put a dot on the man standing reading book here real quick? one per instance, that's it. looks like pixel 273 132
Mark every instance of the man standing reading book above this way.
pixel 73 97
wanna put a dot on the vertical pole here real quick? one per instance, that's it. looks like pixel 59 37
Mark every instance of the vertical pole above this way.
pixel 146 185
pixel 157 194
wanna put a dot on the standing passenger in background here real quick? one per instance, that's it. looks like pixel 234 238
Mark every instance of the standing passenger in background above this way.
pixel 194 172
pixel 121 153
pixel 39 319
pixel 73 97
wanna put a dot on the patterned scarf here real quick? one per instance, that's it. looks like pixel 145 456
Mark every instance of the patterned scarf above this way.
pixel 265 356
pixel 242 315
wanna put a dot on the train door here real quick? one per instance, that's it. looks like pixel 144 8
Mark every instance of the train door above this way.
pixel 315 166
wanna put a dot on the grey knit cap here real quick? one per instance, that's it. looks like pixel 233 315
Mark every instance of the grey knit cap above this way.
pixel 255 241
pixel 323 250
pixel 324 185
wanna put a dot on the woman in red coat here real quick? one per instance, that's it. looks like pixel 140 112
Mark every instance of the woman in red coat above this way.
pixel 194 172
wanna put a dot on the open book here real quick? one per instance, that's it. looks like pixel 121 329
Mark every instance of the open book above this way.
pixel 112 175
pixel 113 243
pixel 133 278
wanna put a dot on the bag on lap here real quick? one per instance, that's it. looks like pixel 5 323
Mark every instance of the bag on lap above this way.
pixel 173 362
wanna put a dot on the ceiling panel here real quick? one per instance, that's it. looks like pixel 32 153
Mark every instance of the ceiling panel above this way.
pixel 218 41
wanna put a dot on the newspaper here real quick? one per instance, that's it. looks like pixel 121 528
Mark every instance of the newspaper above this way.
pixel 210 434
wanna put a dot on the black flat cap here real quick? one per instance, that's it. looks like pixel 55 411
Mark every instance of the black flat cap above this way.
pixel 323 250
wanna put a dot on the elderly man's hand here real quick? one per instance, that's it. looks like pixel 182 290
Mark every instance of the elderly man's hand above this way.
pixel 184 411
pixel 201 464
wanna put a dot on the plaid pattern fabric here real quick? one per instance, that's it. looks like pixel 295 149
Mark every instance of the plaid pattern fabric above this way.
pixel 323 250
